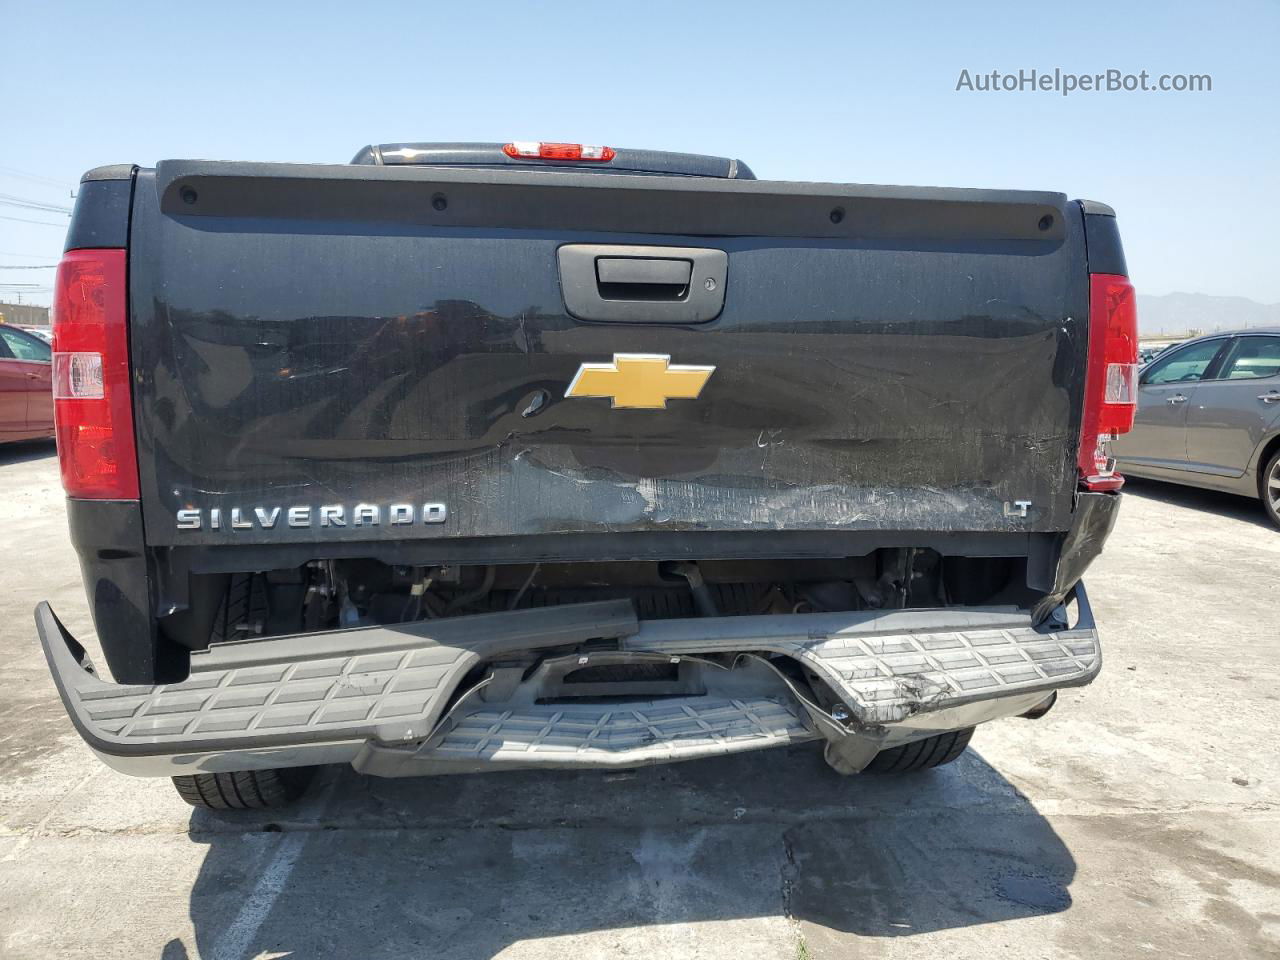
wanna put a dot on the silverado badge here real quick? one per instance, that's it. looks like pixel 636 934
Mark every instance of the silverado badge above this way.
pixel 639 381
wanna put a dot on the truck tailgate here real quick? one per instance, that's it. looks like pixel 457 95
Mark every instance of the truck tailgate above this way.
pixel 886 358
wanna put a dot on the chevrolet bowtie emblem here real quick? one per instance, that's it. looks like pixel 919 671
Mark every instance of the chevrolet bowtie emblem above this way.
pixel 640 381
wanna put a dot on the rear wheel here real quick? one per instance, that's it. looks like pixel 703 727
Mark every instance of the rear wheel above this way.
pixel 242 612
pixel 247 790
pixel 1270 485
pixel 921 754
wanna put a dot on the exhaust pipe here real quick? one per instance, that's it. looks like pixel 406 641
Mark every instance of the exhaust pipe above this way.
pixel 702 599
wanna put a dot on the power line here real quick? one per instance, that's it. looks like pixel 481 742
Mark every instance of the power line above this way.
pixel 11 200
pixel 23 266
pixel 39 203
pixel 43 223
pixel 34 177
pixel 35 207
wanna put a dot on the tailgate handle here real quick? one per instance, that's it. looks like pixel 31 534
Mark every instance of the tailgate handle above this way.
pixel 620 278
pixel 634 284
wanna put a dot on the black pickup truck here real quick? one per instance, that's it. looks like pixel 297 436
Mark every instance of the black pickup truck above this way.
pixel 463 457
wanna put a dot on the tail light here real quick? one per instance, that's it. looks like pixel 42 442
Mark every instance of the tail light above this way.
pixel 536 150
pixel 93 413
pixel 1111 380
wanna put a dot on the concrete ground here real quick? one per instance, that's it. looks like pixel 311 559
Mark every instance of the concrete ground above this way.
pixel 1140 818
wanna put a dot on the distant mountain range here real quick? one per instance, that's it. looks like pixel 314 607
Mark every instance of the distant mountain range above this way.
pixel 1183 313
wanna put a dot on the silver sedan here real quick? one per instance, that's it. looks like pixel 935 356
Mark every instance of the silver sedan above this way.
pixel 1209 416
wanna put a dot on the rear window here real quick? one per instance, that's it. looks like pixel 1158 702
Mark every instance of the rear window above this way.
pixel 1253 358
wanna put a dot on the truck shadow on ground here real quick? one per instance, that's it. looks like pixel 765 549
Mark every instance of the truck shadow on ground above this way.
pixel 25 451
pixel 1247 509
pixel 465 866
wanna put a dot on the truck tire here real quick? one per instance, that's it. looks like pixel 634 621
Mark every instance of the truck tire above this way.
pixel 243 605
pixel 248 790
pixel 921 754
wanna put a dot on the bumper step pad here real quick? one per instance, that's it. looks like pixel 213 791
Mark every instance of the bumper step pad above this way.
pixel 891 678
pixel 886 675
pixel 384 683
pixel 606 735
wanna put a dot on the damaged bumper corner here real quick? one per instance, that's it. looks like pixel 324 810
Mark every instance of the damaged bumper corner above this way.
pixel 440 696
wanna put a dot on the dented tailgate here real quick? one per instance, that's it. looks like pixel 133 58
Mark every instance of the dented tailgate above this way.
pixel 373 340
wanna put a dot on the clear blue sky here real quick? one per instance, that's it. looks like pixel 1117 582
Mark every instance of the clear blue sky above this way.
pixel 801 91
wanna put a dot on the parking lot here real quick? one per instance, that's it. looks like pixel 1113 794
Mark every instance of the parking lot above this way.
pixel 1139 818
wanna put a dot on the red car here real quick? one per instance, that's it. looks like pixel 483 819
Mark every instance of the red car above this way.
pixel 26 386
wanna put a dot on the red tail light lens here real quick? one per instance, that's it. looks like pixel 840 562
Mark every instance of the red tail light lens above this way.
pixel 93 413
pixel 1111 381
pixel 538 150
